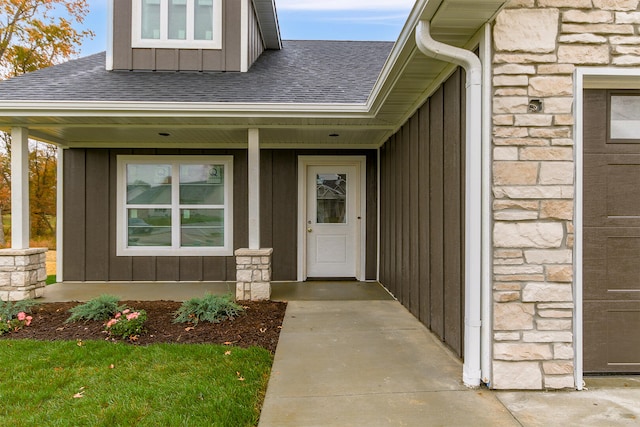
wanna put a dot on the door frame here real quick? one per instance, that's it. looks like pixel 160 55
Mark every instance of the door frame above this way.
pixel 588 78
pixel 360 163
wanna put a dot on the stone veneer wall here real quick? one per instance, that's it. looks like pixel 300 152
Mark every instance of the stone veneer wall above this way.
pixel 537 45
pixel 23 273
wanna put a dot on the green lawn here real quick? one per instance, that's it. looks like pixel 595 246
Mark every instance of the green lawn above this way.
pixel 99 383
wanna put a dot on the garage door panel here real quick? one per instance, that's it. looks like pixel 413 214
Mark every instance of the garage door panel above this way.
pixel 613 196
pixel 611 263
pixel 623 189
pixel 614 342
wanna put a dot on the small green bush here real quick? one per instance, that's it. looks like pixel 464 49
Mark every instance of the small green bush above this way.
pixel 210 308
pixel 99 308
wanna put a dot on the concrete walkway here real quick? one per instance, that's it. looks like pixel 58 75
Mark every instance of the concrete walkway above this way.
pixel 371 363
pixel 350 355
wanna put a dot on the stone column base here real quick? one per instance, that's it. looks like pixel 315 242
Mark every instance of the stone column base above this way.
pixel 253 274
pixel 23 273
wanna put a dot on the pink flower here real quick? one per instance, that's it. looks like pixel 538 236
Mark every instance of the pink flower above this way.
pixel 133 315
pixel 28 320
pixel 22 316
pixel 117 316
pixel 111 322
pixel 125 311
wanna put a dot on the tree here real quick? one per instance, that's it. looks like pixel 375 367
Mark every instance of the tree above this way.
pixel 36 34
pixel 5 180
pixel 33 35
pixel 42 191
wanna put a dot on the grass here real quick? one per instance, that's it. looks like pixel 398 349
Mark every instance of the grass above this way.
pixel 51 279
pixel 99 383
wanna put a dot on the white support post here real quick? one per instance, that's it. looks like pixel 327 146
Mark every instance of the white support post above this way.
pixel 59 215
pixel 254 189
pixel 19 188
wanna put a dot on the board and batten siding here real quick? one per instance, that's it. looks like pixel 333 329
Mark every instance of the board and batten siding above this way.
pixel 125 57
pixel 422 213
pixel 89 203
pixel 89 234
pixel 256 46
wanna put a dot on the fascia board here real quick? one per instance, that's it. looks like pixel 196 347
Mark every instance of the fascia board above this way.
pixel 155 109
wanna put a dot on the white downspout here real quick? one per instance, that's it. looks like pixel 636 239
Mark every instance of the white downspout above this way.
pixel 487 242
pixel 471 374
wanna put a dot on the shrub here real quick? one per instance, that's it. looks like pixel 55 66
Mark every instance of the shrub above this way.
pixel 128 324
pixel 9 309
pixel 99 308
pixel 13 315
pixel 210 308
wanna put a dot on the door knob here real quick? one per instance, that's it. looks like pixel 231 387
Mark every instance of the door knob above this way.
pixel 309 229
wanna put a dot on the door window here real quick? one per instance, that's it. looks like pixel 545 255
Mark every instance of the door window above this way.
pixel 331 197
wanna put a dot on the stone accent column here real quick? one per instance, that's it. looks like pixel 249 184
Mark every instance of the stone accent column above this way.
pixel 538 44
pixel 23 273
pixel 253 274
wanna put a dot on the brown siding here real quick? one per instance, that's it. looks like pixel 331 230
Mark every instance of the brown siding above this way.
pixel 226 59
pixel 422 229
pixel 74 234
pixel 256 46
pixel 90 218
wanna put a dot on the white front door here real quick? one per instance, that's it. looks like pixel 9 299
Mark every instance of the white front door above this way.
pixel 332 220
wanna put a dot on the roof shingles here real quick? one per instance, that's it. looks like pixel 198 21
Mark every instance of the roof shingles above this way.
pixel 333 72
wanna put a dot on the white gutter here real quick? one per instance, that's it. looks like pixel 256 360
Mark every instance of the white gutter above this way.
pixel 473 219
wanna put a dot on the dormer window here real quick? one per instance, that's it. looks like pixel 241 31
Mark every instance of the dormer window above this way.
pixel 184 24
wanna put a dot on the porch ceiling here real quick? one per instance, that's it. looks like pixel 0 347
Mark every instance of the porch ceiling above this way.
pixel 406 81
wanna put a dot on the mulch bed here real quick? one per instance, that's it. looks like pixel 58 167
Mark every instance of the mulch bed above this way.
pixel 259 325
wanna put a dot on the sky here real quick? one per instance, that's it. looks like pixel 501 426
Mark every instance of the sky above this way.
pixel 302 20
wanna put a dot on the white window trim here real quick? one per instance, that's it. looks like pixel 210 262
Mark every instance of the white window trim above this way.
pixel 164 42
pixel 122 249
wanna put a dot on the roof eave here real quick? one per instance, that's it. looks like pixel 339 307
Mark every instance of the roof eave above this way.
pixel 176 109
pixel 268 22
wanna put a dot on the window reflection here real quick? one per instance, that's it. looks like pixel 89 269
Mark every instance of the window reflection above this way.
pixel 331 195
pixel 148 184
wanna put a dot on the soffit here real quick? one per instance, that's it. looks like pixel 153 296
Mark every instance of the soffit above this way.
pixel 268 19
pixel 406 81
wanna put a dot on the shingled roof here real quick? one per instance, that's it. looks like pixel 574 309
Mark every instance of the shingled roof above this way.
pixel 334 72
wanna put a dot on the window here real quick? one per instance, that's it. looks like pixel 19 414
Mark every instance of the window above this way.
pixel 195 24
pixel 624 120
pixel 175 205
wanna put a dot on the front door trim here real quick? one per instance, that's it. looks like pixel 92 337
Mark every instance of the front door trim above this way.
pixel 303 164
